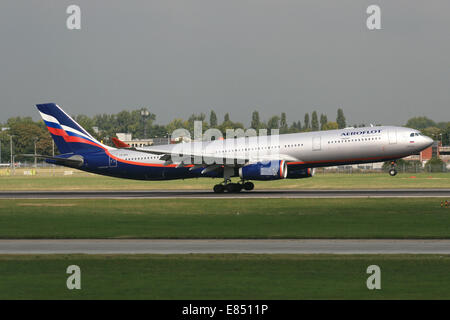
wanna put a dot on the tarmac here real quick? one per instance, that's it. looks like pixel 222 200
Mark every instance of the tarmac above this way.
pixel 200 194
pixel 259 246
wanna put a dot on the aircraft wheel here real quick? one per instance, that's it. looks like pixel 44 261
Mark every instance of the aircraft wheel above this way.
pixel 218 188
pixel 392 172
pixel 249 186
pixel 233 187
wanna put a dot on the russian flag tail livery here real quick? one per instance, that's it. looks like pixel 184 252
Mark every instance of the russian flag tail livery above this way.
pixel 68 135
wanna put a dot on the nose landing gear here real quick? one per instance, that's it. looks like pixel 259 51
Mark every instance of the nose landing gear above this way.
pixel 392 170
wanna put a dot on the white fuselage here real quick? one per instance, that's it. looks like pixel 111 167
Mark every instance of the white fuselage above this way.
pixel 309 149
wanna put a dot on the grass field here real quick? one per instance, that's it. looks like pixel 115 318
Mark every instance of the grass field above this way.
pixel 225 218
pixel 82 181
pixel 225 277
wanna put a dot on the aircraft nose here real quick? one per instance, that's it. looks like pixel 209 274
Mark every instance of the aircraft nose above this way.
pixel 428 142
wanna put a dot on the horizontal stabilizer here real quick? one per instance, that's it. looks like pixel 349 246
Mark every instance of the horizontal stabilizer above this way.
pixel 74 161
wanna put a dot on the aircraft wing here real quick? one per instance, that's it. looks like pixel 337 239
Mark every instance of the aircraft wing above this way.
pixel 206 159
pixel 203 159
pixel 210 161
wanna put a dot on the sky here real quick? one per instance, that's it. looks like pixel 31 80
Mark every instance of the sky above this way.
pixel 178 57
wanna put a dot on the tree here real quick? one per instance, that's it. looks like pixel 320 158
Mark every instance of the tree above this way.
pixel 283 124
pixel 420 123
pixel 191 123
pixel 26 132
pixel 442 125
pixel 331 126
pixel 255 124
pixel 295 127
pixel 18 120
pixel 229 125
pixel 87 123
pixel 323 121
pixel 306 126
pixel 435 165
pixel 446 135
pixel 226 118
pixel 158 131
pixel 213 119
pixel 273 123
pixel 106 124
pixel 176 124
pixel 432 132
pixel 404 165
pixel 314 122
pixel 340 119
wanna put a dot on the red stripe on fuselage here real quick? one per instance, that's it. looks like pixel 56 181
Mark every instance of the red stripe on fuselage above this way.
pixel 67 138
pixel 345 160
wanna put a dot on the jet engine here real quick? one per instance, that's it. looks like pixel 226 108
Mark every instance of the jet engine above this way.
pixel 264 170
pixel 300 173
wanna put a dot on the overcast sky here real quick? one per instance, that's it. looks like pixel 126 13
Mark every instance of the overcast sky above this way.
pixel 189 56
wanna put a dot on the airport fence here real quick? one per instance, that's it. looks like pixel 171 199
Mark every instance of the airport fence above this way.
pixel 52 170
pixel 401 168
pixel 42 171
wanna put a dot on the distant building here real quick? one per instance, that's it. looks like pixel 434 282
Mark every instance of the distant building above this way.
pixel 162 140
pixel 444 154
pixel 128 139
pixel 436 150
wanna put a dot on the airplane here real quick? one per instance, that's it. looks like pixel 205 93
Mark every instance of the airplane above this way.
pixel 264 158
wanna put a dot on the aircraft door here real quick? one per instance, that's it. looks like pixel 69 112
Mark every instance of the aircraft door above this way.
pixel 112 162
pixel 392 134
pixel 316 143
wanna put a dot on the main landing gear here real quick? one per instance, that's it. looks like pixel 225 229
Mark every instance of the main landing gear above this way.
pixel 233 187
pixel 230 187
pixel 392 170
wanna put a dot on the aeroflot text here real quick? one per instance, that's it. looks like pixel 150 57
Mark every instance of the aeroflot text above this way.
pixel 354 133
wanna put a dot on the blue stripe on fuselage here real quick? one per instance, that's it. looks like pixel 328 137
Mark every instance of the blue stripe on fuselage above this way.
pixel 101 163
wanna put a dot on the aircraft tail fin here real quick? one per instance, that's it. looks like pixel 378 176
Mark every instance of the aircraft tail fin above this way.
pixel 68 135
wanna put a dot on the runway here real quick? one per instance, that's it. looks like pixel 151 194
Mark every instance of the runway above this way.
pixel 200 194
pixel 309 246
